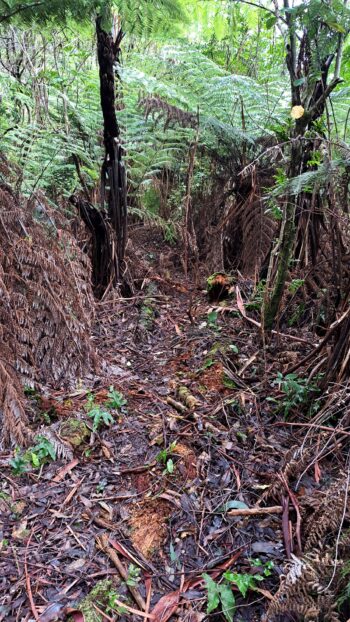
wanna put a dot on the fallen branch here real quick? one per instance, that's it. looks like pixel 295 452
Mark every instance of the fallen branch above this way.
pixel 29 589
pixel 275 509
pixel 103 544
pixel 124 606
pixel 258 325
pixel 324 428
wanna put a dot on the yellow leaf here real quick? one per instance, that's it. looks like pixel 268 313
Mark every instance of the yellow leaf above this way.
pixel 297 112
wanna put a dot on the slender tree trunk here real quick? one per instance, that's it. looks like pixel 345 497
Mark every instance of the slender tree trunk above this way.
pixel 113 176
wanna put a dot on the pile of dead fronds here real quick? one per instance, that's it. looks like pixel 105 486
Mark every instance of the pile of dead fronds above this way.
pixel 46 309
pixel 314 581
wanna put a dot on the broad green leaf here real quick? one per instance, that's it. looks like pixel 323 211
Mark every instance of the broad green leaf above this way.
pixel 227 601
pixel 336 27
pixel 270 21
pixel 35 459
pixel 243 581
pixel 213 597
pixel 234 505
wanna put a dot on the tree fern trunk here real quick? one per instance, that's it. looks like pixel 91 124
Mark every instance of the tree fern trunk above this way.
pixel 287 244
pixel 113 177
pixel 273 301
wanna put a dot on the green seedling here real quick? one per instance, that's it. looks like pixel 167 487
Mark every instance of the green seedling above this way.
pixel 296 391
pixel 113 606
pixel 116 400
pixel 221 593
pixel 97 413
pixel 164 457
pixel 35 456
pixel 133 575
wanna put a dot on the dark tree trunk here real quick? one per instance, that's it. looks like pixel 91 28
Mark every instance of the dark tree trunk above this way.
pixel 102 258
pixel 113 176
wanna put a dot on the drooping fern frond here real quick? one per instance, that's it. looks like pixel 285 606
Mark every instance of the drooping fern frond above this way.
pixel 143 18
pixel 306 182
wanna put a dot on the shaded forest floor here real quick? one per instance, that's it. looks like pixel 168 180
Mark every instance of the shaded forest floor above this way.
pixel 202 439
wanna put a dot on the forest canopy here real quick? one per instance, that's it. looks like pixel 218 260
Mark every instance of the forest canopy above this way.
pixel 175 310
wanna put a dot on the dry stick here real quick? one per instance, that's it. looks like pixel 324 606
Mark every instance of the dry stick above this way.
pixel 259 325
pixel 177 405
pixel 285 526
pixel 312 425
pixel 104 615
pixel 102 543
pixel 70 495
pixel 321 345
pixel 132 610
pixel 29 588
pixel 148 595
pixel 66 469
pixel 296 507
pixel 275 509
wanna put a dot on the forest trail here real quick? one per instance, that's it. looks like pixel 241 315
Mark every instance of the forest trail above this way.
pixel 168 453
pixel 195 444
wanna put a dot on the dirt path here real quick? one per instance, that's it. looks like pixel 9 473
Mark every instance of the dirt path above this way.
pixel 194 443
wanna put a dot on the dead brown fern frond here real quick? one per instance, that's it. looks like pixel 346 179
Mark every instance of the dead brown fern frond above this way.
pixel 304 590
pixel 46 311
pixel 159 109
pixel 327 517
pixel 12 412
pixel 247 229
pixel 295 461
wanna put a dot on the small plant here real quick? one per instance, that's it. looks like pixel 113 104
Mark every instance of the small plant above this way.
pixel 113 606
pixel 41 451
pixel 19 463
pixel 133 575
pixel 273 209
pixel 221 593
pixel 207 364
pixel 212 318
pixel 295 285
pixel 97 413
pixel 116 399
pixel 228 382
pixel 233 348
pixel 101 485
pixel 35 456
pixel 243 581
pixel 164 457
pixel 30 391
pixel 266 568
pixel 256 302
pixel 295 389
pixel 345 593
